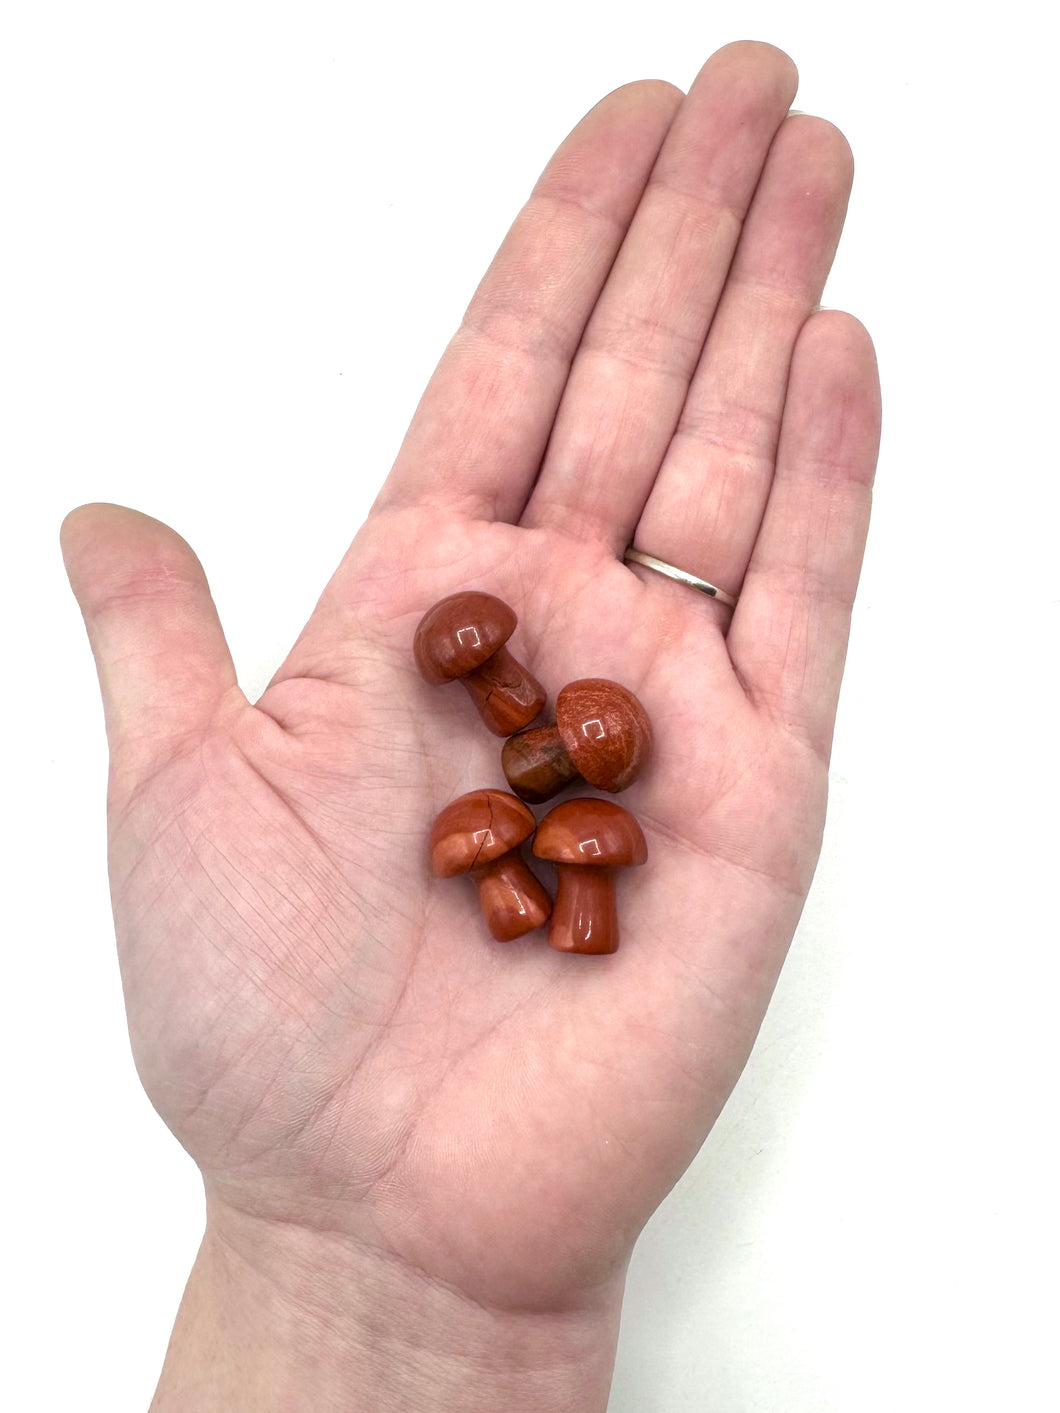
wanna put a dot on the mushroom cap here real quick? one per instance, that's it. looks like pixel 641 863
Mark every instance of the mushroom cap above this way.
pixel 476 829
pixel 459 633
pixel 605 730
pixel 590 832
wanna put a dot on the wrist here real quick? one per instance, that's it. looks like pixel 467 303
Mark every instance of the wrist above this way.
pixel 278 1319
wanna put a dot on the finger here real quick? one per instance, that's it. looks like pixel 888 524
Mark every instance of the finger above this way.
pixel 706 505
pixel 631 375
pixel 789 630
pixel 163 663
pixel 480 431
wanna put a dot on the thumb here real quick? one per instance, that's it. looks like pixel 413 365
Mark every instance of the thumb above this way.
pixel 163 663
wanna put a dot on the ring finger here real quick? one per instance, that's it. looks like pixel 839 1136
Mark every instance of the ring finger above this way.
pixel 706 505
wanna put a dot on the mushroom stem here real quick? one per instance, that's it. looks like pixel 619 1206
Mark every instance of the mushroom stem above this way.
pixel 508 697
pixel 513 902
pixel 585 918
pixel 537 765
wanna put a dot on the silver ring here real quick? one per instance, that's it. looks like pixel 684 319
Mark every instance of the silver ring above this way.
pixel 636 556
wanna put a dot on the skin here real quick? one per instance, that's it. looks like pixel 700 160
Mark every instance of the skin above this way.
pixel 424 1153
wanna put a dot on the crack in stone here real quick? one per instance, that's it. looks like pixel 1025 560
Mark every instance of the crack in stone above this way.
pixel 487 833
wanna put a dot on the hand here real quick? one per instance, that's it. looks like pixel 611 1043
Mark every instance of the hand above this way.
pixel 355 1067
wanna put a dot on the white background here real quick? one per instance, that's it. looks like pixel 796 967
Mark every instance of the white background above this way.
pixel 236 239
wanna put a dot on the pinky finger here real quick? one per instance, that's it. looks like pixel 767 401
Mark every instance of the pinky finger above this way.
pixel 788 638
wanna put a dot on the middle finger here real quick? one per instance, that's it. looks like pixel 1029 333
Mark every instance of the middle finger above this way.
pixel 631 374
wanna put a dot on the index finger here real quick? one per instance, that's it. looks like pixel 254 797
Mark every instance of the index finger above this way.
pixel 480 431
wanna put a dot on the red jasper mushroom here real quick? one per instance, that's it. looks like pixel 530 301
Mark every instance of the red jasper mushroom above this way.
pixel 463 637
pixel 602 733
pixel 587 840
pixel 480 834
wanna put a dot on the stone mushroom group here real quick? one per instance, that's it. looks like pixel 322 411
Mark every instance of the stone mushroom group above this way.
pixel 601 736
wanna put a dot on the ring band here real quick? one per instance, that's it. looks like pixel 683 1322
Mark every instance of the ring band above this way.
pixel 636 556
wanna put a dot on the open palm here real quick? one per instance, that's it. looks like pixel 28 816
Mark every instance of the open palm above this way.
pixel 329 1030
